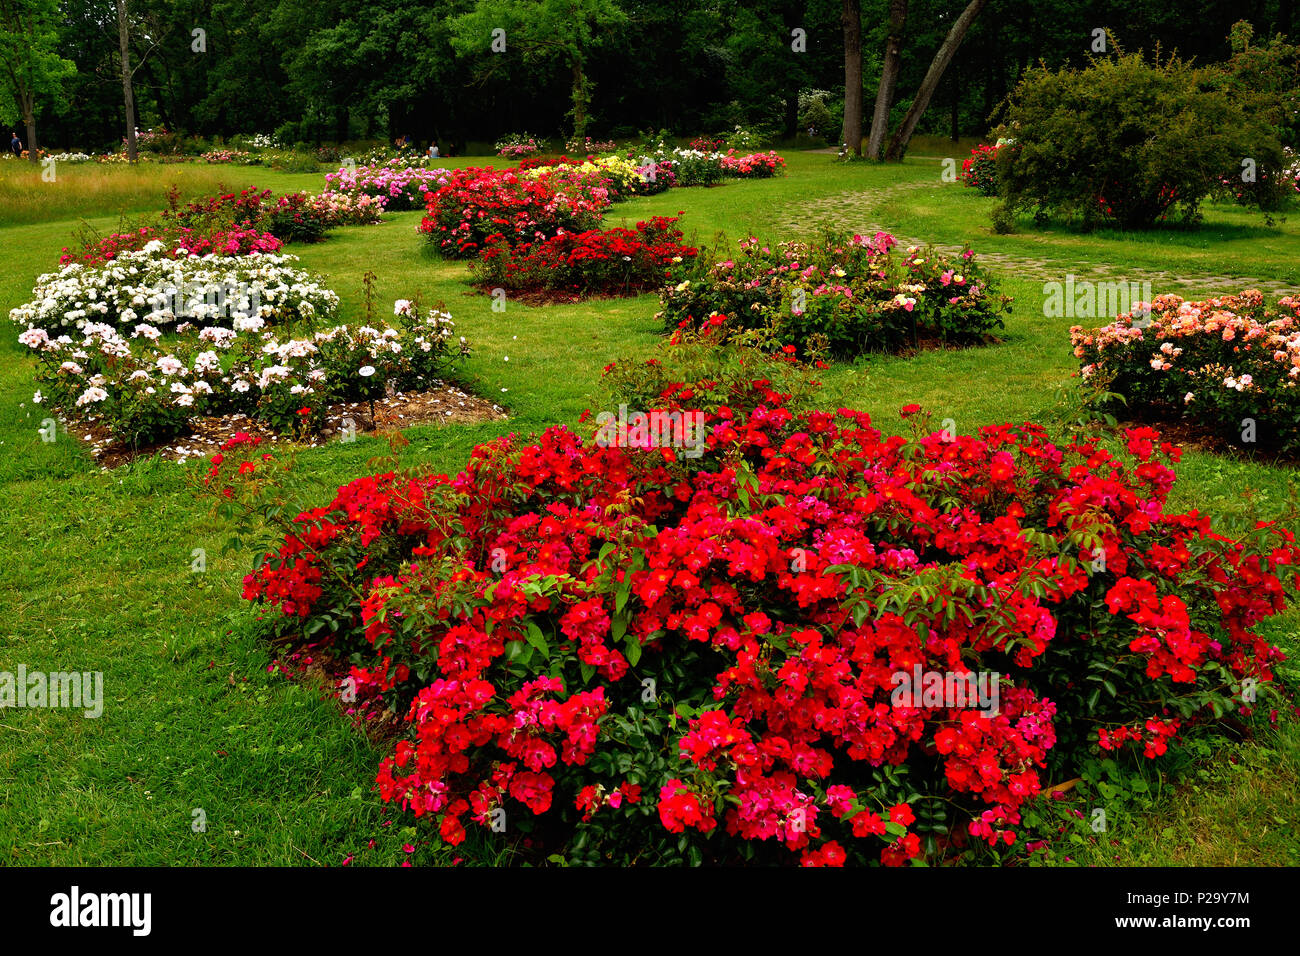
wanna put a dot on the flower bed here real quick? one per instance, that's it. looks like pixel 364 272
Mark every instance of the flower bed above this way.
pixel 619 177
pixel 595 262
pixel 842 295
pixel 588 146
pixel 222 156
pixel 643 658
pixel 347 208
pixel 395 183
pixel 1230 365
pixel 73 157
pixel 476 203
pixel 238 225
pixel 148 388
pixel 292 217
pixel 980 170
pixel 752 165
pixel 180 240
pixel 694 167
pixel 518 145
pixel 708 167
pixel 707 144
pixel 164 286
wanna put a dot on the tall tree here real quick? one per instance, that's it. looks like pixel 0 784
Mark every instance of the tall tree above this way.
pixel 128 94
pixel 889 71
pixel 564 30
pixel 898 142
pixel 851 21
pixel 30 69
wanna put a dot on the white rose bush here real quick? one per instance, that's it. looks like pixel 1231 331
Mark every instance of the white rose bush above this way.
pixel 155 286
pixel 146 344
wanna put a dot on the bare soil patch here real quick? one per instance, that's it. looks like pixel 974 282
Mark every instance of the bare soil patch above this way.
pixel 444 403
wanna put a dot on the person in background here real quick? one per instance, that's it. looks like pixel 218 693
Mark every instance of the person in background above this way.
pixel 16 145
pixel 433 151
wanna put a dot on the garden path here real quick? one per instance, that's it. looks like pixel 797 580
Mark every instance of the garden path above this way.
pixel 859 210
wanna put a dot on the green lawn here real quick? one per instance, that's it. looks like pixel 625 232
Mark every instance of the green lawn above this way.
pixel 95 566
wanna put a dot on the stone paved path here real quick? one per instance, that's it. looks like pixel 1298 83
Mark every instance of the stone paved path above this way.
pixel 857 209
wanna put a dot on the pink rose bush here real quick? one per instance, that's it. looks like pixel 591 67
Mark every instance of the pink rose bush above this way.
pixel 398 186
pixel 753 165
pixel 844 295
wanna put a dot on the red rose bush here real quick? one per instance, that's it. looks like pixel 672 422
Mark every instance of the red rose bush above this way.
pixel 631 653
pixel 476 203
pixel 980 169
pixel 595 262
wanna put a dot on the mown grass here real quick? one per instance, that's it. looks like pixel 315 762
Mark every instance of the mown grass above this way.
pixel 1232 241
pixel 95 567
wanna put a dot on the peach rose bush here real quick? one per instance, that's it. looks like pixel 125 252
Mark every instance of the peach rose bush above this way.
pixel 1229 366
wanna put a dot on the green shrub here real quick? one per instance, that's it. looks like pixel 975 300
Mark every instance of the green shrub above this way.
pixel 1127 141
pixel 842 295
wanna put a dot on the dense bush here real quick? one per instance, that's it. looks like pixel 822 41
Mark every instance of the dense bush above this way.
pixel 165 286
pixel 844 295
pixel 292 217
pixel 596 262
pixel 1125 141
pixel 980 170
pixel 476 203
pixel 396 184
pixel 518 145
pixel 630 655
pixel 1263 77
pixel 752 165
pixel 147 387
pixel 97 250
pixel 1230 365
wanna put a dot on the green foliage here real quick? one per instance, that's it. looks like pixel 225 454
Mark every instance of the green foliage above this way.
pixel 545 31
pixel 1126 140
pixel 717 367
pixel 816 118
pixel 31 70
pixel 841 295
pixel 208 724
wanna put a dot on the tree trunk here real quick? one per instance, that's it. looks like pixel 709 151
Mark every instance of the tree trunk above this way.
pixel 793 16
pixel 581 98
pixel 888 77
pixel 29 120
pixel 954 117
pixel 898 142
pixel 128 95
pixel 27 106
pixel 851 21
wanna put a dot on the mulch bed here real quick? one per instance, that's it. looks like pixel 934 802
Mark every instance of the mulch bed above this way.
pixel 443 403
pixel 1189 435
pixel 539 297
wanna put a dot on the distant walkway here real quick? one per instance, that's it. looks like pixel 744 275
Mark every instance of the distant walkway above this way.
pixel 857 209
